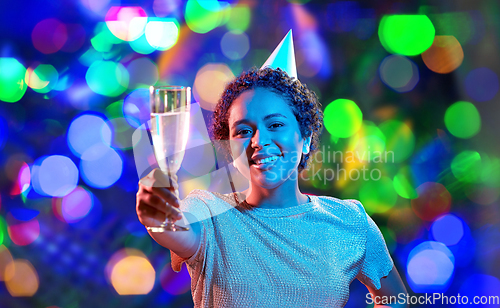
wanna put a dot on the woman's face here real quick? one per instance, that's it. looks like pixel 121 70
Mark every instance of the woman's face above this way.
pixel 263 126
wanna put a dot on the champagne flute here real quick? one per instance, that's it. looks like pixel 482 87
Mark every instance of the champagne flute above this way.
pixel 169 130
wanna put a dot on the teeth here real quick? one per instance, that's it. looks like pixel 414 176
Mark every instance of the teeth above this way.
pixel 266 160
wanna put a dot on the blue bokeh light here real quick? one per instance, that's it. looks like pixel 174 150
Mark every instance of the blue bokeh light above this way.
pixel 54 175
pixel 430 267
pixel 481 84
pixel 101 166
pixel 448 229
pixel 86 131
pixel 136 107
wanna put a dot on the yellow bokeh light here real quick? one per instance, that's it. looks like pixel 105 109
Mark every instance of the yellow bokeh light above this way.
pixel 22 278
pixel 130 272
pixel 5 260
pixel 209 84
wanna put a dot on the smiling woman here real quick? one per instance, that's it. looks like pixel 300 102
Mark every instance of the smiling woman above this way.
pixel 270 245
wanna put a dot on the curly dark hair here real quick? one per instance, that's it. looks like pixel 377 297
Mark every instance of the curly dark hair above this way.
pixel 303 102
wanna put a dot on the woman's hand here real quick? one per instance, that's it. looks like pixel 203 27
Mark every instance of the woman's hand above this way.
pixel 157 198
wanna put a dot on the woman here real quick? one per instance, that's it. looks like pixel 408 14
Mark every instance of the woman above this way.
pixel 270 245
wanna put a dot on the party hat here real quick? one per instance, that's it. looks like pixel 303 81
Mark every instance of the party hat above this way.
pixel 283 56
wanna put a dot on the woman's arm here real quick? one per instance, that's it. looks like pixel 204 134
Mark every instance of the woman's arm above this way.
pixel 156 200
pixel 391 287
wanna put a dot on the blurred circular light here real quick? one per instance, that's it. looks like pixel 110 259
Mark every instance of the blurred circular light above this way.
pixel 368 144
pixel 114 110
pixel 162 34
pixel 23 279
pixel 403 183
pixel 175 283
pixel 76 205
pixel 445 55
pixel 49 35
pixel 239 18
pixel 107 78
pixel 5 258
pixel 430 267
pixel 141 45
pixel 490 173
pixel 163 8
pixel 126 23
pixel 142 72
pixel 12 85
pixel 42 79
pixel 209 84
pixel 433 200
pixel 342 118
pixel 24 178
pixel 101 166
pixel 136 107
pixel 399 139
pixel 399 73
pixel 55 176
pixel 87 130
pixel 24 232
pixel 481 84
pixel 462 120
pixel 96 6
pixel 130 272
pixel 407 35
pixel 203 16
pixel 235 45
pixel 448 229
pixel 378 196
pixel 466 166
pixel 122 133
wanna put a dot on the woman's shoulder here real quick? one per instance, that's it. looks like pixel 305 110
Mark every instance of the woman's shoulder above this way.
pixel 343 207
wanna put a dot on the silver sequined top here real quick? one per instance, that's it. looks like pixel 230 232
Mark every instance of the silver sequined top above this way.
pixel 302 256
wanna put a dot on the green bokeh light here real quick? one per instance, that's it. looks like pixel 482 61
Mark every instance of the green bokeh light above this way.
pixel 342 118
pixel 399 139
pixel 403 183
pixel 462 120
pixel 103 40
pixel 107 78
pixel 203 16
pixel 12 85
pixel 407 35
pixel 48 75
pixel 114 110
pixel 490 172
pixel 141 45
pixel 4 235
pixel 369 144
pixel 239 19
pixel 378 196
pixel 466 166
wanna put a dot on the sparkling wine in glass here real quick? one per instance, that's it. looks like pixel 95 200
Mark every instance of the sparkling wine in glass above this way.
pixel 169 129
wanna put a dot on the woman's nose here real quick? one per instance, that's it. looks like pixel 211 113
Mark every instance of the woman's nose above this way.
pixel 260 139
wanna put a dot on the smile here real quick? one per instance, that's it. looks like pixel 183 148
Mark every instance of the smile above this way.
pixel 265 163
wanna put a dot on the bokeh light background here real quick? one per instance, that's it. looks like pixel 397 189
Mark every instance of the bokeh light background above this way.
pixel 412 78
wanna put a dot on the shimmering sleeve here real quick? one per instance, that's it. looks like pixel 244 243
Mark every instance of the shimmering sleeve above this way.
pixel 377 262
pixel 195 205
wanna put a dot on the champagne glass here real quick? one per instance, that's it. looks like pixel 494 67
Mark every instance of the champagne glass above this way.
pixel 169 130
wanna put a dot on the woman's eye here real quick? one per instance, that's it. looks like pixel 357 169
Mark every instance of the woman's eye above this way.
pixel 276 125
pixel 243 132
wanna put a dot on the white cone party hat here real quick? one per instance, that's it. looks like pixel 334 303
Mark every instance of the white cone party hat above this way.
pixel 283 56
